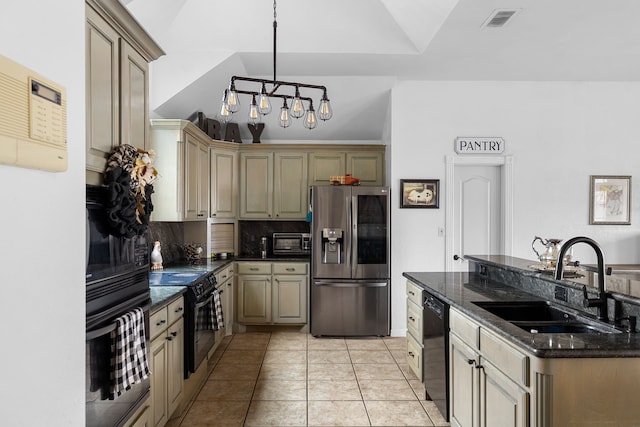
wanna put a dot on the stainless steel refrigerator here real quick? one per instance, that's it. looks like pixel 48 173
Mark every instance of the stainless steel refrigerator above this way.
pixel 350 271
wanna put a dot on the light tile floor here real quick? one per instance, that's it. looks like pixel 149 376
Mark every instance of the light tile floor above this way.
pixel 294 379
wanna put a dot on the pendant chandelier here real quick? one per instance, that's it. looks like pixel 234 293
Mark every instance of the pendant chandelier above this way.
pixel 261 100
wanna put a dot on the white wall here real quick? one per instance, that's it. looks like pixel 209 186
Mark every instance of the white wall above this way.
pixel 42 235
pixel 558 132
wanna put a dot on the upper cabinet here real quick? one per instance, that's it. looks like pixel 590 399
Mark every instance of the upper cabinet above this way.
pixel 365 162
pixel 182 158
pixel 223 182
pixel 118 51
pixel 273 184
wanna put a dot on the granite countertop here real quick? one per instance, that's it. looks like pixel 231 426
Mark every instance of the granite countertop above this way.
pixel 460 290
pixel 162 295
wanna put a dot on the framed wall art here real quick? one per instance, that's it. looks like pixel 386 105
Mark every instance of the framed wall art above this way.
pixel 610 200
pixel 419 193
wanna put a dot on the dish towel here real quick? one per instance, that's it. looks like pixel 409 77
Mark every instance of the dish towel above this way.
pixel 219 320
pixel 129 364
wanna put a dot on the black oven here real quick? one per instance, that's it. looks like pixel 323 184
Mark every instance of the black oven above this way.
pixel 117 282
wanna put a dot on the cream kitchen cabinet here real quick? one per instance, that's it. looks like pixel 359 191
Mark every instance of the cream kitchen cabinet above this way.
pixel 415 347
pixel 490 378
pixel 142 417
pixel 272 293
pixel 290 288
pixel 182 191
pixel 273 185
pixel 167 360
pixel 118 52
pixel 223 182
pixel 224 285
pixel 254 292
pixel 364 163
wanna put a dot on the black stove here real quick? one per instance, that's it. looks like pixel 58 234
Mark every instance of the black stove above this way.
pixel 199 279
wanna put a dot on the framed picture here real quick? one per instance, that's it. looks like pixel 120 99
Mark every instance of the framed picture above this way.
pixel 419 193
pixel 610 200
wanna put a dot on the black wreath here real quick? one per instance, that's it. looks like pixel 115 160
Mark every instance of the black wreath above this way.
pixel 129 205
pixel 122 204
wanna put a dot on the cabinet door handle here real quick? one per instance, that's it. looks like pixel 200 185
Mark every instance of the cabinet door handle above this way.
pixel 169 339
pixel 411 354
pixel 411 293
pixel 412 318
pixel 471 362
pixel 174 334
pixel 228 284
pixel 224 277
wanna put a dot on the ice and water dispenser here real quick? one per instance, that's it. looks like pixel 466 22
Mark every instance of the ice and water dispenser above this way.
pixel 332 246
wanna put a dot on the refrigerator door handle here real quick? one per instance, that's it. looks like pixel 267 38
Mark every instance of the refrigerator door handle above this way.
pixel 353 225
pixel 334 284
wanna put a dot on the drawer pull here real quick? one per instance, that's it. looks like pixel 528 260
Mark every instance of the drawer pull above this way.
pixel 174 333
pixel 161 322
pixel 411 354
pixel 253 268
pixel 412 318
pixel 224 277
pixel 169 339
pixel 179 309
pixel 411 293
pixel 291 269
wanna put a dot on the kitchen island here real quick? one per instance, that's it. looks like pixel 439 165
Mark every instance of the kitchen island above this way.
pixel 500 374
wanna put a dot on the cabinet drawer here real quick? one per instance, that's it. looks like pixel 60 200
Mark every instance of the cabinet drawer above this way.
pixel 414 356
pixel 254 268
pixel 176 310
pixel 224 274
pixel 465 328
pixel 414 320
pixel 414 293
pixel 158 322
pixel 512 362
pixel 290 268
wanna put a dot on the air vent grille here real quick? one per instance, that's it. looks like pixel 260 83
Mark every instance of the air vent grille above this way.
pixel 499 18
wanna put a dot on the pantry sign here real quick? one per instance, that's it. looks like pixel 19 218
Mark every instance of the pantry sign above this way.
pixel 479 145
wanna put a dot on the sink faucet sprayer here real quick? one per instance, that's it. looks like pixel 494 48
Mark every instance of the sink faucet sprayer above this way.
pixel 601 301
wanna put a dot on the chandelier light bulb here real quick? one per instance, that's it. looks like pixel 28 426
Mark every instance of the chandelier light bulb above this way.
pixel 325 112
pixel 254 114
pixel 231 100
pixel 310 121
pixel 264 104
pixel 224 115
pixel 297 107
pixel 285 117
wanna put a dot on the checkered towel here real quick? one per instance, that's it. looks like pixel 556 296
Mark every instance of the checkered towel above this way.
pixel 219 320
pixel 210 316
pixel 128 352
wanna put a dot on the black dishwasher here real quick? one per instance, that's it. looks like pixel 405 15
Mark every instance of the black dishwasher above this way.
pixel 436 352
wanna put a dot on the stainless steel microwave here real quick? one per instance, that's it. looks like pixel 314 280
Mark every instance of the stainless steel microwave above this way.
pixel 291 243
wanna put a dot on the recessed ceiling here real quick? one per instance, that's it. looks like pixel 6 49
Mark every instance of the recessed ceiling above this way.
pixel 360 48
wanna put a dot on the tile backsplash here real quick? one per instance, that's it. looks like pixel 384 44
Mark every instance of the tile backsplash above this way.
pixel 170 235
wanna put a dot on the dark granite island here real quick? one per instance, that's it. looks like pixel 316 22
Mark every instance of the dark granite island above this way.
pixel 504 375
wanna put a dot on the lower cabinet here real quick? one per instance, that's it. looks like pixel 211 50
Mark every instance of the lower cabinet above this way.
pixel 272 293
pixel 224 280
pixel 142 417
pixel 167 360
pixel 415 347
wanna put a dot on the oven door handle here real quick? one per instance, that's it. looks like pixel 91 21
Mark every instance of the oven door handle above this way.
pixel 203 303
pixel 92 335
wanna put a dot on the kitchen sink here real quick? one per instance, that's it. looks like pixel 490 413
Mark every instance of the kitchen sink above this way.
pixel 524 310
pixel 542 317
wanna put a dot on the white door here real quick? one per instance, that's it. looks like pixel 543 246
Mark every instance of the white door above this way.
pixel 478 212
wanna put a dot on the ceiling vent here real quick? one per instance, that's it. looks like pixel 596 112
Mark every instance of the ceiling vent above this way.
pixel 499 18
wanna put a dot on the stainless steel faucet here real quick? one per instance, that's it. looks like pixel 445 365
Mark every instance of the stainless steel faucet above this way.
pixel 601 300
